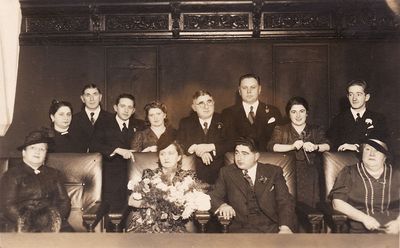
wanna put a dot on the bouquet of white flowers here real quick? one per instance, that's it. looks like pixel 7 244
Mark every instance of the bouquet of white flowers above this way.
pixel 166 206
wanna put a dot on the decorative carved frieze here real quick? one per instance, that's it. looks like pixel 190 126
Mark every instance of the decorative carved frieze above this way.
pixel 57 24
pixel 112 22
pixel 370 21
pixel 296 21
pixel 225 21
pixel 129 23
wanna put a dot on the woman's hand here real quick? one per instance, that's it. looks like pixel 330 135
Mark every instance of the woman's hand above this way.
pixel 309 147
pixel 392 227
pixel 370 223
pixel 298 144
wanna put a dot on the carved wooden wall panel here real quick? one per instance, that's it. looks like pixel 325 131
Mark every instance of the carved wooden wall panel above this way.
pixel 104 21
pixel 132 70
pixel 213 67
pixel 302 70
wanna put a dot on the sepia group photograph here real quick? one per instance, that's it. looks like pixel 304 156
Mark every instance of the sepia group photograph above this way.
pixel 199 123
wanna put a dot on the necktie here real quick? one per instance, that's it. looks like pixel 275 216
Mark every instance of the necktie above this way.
pixel 248 178
pixel 358 119
pixel 124 128
pixel 205 127
pixel 251 116
pixel 92 118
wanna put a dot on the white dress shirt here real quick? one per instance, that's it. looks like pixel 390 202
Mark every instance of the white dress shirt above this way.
pixel 121 122
pixel 96 113
pixel 252 173
pixel 354 113
pixel 247 106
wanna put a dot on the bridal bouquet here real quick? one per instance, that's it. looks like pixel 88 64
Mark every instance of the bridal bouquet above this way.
pixel 166 206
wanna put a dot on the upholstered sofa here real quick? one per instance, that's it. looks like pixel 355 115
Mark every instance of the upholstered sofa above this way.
pixel 83 180
pixel 333 163
pixel 312 217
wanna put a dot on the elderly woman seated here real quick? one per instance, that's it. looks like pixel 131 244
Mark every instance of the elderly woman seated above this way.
pixel 369 192
pixel 33 196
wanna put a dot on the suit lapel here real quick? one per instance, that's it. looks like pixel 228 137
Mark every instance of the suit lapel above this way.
pixel 263 181
pixel 242 115
pixel 237 178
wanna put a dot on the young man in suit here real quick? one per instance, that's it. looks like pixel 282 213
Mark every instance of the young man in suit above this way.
pixel 84 122
pixel 203 134
pixel 350 127
pixel 112 139
pixel 251 117
pixel 255 195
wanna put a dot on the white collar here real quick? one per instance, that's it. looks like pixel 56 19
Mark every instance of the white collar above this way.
pixel 354 113
pixel 96 112
pixel 252 173
pixel 208 120
pixel 247 106
pixel 121 122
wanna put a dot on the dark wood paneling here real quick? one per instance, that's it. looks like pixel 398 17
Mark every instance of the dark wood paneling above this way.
pixel 214 67
pixel 46 73
pixel 302 70
pixel 132 70
pixel 172 72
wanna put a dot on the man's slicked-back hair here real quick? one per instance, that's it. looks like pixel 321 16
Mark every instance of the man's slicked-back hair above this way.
pixel 90 86
pixel 359 82
pixel 126 95
pixel 200 93
pixel 250 75
pixel 246 141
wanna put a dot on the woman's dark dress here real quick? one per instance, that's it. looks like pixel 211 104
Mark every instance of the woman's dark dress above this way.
pixel 353 185
pixel 308 176
pixel 147 138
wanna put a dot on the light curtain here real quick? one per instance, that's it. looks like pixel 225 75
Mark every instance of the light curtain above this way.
pixel 10 25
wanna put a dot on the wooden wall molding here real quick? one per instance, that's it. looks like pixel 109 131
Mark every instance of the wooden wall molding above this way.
pixel 102 21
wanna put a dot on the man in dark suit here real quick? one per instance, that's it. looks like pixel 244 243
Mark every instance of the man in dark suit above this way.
pixel 251 117
pixel 203 134
pixel 112 139
pixel 84 122
pixel 255 195
pixel 350 127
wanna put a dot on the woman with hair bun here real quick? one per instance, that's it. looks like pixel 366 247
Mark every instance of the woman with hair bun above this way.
pixel 60 114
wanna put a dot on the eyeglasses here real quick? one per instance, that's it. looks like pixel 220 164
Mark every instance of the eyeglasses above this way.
pixel 209 102
pixel 39 149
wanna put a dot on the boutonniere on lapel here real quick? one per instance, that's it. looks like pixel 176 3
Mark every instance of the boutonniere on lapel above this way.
pixel 263 179
pixel 266 109
pixel 368 121
pixel 220 125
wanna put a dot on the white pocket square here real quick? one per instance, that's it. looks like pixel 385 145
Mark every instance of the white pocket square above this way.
pixel 272 188
pixel 271 120
pixel 372 126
